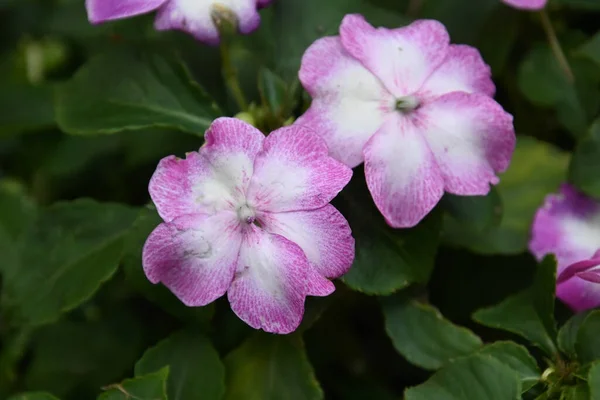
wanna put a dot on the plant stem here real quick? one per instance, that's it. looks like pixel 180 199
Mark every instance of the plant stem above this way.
pixel 555 46
pixel 230 76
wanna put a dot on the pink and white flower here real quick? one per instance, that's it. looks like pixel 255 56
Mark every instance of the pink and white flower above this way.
pixel 417 110
pixel 526 4
pixel 193 16
pixel 250 216
pixel 568 225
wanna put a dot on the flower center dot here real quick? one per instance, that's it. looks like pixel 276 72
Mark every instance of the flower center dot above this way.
pixel 407 103
pixel 246 214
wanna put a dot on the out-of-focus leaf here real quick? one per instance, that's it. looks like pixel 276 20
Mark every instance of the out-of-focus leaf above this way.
pixel 67 253
pixel 33 396
pixel 478 377
pixel 518 359
pixel 386 259
pixel 145 223
pixel 594 381
pixel 567 334
pixel 266 366
pixel 529 313
pixel 497 38
pixel 537 169
pixel 25 107
pixel 130 90
pixel 478 212
pixel 591 48
pixel 584 170
pixel 587 344
pixel 147 387
pixel 592 5
pixel 196 372
pixel 422 335
pixel 580 391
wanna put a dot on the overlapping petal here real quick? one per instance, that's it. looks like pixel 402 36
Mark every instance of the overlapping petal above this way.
pixel 401 172
pixel 214 179
pixel 579 284
pixel 270 282
pixel 471 138
pixel 294 172
pixel 349 102
pixel 106 10
pixel 195 256
pixel 401 58
pixel 195 17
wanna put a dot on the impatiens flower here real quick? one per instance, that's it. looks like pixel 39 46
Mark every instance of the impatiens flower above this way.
pixel 527 4
pixel 568 225
pixel 193 16
pixel 417 110
pixel 250 216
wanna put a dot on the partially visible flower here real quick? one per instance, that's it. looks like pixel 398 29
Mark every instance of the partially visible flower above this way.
pixel 417 110
pixel 250 216
pixel 527 4
pixel 196 17
pixel 568 225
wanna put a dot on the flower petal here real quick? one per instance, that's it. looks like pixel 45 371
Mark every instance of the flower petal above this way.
pixel 323 234
pixel 527 4
pixel 463 70
pixel 567 225
pixel 401 58
pixel 106 10
pixel 263 3
pixel 195 257
pixel 294 172
pixel 270 286
pixel 349 102
pixel 579 294
pixel 195 17
pixel 214 179
pixel 471 137
pixel 401 173
pixel 578 268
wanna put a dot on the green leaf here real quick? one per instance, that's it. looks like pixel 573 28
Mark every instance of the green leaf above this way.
pixel 584 170
pixel 594 381
pixel 518 359
pixel 195 368
pixel 580 391
pixel 478 212
pixel 591 48
pixel 15 117
pixel 17 210
pixel 475 377
pixel 421 334
pixel 567 334
pixel 529 313
pixel 273 90
pixel 146 221
pixel 33 396
pixel 129 90
pixel 537 168
pixel 386 259
pixel 587 344
pixel 68 252
pixel 266 367
pixel 148 387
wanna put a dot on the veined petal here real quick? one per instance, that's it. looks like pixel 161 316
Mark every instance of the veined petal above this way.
pixel 527 4
pixel 349 102
pixel 294 172
pixel 214 179
pixel 402 174
pixel 567 225
pixel 323 234
pixel 463 70
pixel 401 58
pixel 195 17
pixel 270 286
pixel 106 10
pixel 195 256
pixel 471 137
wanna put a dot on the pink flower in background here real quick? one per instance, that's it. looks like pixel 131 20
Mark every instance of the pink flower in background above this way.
pixel 193 16
pixel 250 216
pixel 526 4
pixel 417 110
pixel 568 225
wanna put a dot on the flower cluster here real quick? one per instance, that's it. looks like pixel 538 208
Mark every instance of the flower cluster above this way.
pixel 250 216
pixel 568 226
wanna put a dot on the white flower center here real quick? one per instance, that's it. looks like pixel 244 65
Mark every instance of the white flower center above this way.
pixel 246 214
pixel 407 103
